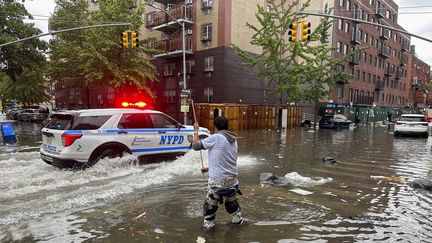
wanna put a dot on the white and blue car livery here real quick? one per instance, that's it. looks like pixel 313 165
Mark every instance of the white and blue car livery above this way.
pixel 80 138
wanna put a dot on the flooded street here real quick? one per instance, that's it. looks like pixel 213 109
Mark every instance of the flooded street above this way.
pixel 118 201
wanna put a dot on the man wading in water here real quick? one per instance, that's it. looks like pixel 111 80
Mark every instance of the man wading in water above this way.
pixel 222 181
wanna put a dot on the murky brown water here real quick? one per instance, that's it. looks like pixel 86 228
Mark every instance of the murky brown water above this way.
pixel 118 202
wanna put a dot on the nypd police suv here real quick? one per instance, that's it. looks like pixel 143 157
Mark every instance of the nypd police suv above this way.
pixel 80 138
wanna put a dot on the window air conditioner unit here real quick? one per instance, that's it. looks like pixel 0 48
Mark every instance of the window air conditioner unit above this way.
pixel 189 32
pixel 166 73
pixel 206 4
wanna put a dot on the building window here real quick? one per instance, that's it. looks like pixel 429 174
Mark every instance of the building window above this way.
pixel 388 14
pixel 357 74
pixel 206 32
pixel 369 78
pixel 348 5
pixel 340 91
pixel 363 76
pixel 342 3
pixel 370 59
pixel 99 99
pixel 347 27
pixel 168 69
pixel 338 47
pixel 208 64
pixel 110 96
pixel 356 94
pixel 169 95
pixel 365 37
pixel 345 49
pixel 340 24
pixel 208 94
pixel 350 95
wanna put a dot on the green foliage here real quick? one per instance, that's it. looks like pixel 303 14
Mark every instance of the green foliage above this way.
pixel 28 89
pixel 94 56
pixel 301 70
pixel 21 56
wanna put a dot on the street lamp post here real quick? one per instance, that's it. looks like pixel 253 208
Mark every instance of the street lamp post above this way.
pixel 182 24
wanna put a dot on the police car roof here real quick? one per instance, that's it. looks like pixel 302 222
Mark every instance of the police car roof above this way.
pixel 110 111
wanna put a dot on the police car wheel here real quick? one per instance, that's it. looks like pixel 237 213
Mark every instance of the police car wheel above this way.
pixel 107 153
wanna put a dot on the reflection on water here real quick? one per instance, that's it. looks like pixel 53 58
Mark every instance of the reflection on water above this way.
pixel 119 202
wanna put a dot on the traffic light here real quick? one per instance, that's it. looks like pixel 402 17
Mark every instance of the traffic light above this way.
pixel 305 32
pixel 134 39
pixel 125 39
pixel 293 32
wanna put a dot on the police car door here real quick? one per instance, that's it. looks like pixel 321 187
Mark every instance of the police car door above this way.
pixel 171 136
pixel 136 132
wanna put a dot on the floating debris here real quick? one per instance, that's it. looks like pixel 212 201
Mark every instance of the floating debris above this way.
pixel 343 185
pixel 301 191
pixel 200 240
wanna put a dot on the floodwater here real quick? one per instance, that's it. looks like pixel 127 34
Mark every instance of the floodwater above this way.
pixel 118 201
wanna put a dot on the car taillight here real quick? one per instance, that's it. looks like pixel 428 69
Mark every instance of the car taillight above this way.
pixel 68 139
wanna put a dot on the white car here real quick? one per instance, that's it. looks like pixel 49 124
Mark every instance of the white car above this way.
pixel 80 138
pixel 412 124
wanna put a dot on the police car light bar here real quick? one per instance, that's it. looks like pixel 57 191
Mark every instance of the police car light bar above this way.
pixel 139 104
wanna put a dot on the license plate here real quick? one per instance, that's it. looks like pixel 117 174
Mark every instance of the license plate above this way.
pixel 49 148
pixel 47 158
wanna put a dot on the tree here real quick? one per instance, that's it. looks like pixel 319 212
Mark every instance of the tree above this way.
pixel 92 57
pixel 22 56
pixel 301 70
pixel 29 88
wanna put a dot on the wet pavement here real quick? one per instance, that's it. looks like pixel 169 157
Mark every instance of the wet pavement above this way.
pixel 116 201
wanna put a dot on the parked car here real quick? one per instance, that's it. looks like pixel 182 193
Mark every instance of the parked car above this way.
pixel 32 115
pixel 13 113
pixel 81 138
pixel 411 124
pixel 334 121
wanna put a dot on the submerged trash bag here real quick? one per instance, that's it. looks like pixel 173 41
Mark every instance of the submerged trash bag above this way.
pixel 271 179
pixel 298 180
pixel 421 184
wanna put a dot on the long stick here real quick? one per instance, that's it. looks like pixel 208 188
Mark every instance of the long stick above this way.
pixel 193 111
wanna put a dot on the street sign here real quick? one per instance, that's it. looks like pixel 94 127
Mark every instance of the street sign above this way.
pixel 185 93
pixel 4 65
pixel 184 108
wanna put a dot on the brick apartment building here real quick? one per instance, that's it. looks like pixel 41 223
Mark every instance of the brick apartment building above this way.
pixel 380 71
pixel 420 77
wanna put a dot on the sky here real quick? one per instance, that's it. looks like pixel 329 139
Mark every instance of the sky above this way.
pixel 418 23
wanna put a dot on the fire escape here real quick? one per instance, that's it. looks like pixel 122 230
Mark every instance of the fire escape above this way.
pixel 171 43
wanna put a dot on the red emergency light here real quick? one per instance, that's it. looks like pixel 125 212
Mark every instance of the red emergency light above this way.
pixel 139 104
